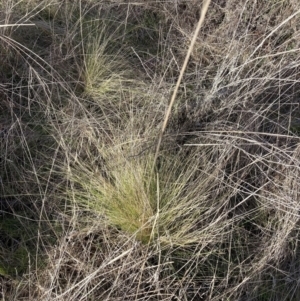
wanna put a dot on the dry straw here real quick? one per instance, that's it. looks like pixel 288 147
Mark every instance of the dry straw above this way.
pixel 186 60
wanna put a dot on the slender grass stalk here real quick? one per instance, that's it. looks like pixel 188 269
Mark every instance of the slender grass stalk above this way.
pixel 175 91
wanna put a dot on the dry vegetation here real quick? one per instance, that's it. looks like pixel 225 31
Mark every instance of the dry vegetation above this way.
pixel 87 210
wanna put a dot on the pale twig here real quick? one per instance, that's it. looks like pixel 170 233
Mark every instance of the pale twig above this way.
pixel 13 25
pixel 187 57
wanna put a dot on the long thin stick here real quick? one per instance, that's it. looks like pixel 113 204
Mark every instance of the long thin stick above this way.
pixel 187 57
pixel 15 25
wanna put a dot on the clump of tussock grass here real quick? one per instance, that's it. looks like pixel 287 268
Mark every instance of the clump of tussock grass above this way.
pixel 131 189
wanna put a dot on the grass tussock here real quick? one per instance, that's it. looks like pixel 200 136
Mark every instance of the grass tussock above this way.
pixel 109 191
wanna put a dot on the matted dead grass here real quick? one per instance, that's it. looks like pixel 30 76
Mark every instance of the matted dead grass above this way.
pixel 83 96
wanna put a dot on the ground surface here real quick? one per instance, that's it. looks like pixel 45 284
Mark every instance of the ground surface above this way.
pixel 91 209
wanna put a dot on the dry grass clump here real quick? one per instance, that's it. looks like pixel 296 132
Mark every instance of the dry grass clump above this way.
pixel 83 96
